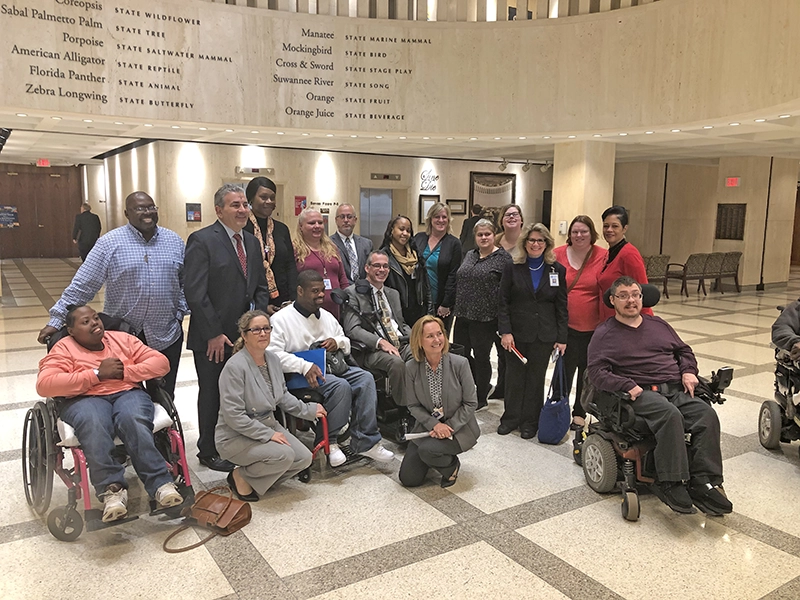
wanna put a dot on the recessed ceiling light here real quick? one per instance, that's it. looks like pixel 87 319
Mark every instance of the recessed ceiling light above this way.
pixel 279 133
pixel 328 135
pixel 760 120
pixel 21 115
pixel 784 116
pixel 203 128
pixel 649 132
pixel 176 126
pixel 473 139
pixel 56 118
pixel 708 127
pixel 572 137
pixel 305 134
pixel 675 130
pixel 229 130
pixel 87 120
pixel 623 134
pixel 522 137
pixel 426 138
pixel 449 138
pixel 545 137
pixel 734 124
pixel 148 125
pixel 402 137
pixel 497 138
pixel 597 135
pixel 118 123
pixel 254 131
pixel 378 137
pixel 354 136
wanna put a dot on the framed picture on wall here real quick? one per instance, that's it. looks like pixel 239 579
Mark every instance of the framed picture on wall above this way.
pixel 492 190
pixel 457 207
pixel 425 203
pixel 193 212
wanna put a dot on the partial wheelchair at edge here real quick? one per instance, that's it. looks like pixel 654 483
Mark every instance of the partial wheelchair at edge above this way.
pixel 616 449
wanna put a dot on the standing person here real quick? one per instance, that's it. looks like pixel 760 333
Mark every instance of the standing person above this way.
pixel 441 398
pixel 86 230
pixel 224 278
pixel 533 317
pixel 623 257
pixel 467 237
pixel 583 261
pixel 407 273
pixel 353 249
pixel 441 252
pixel 313 249
pixel 141 265
pixel 477 290
pixel 275 241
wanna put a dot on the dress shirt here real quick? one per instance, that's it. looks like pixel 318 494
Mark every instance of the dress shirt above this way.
pixel 143 279
pixel 231 233
pixel 377 306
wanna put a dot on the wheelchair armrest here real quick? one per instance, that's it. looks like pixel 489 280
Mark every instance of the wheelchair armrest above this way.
pixel 613 408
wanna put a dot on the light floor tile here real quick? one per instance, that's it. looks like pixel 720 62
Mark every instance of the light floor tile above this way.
pixel 748 354
pixel 19 388
pixel 663 555
pixel 707 365
pixel 26 339
pixel 503 471
pixel 761 384
pixel 23 311
pixel 737 416
pixel 764 338
pixel 683 310
pixel 28 301
pixel 477 572
pixel 743 318
pixel 12 423
pixel 353 513
pixel 710 327
pixel 18 361
pixel 13 506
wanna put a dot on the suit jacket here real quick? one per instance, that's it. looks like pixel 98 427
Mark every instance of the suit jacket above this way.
pixel 363 301
pixel 363 248
pixel 86 229
pixel 215 286
pixel 246 405
pixel 467 237
pixel 530 315
pixel 446 269
pixel 284 266
pixel 459 398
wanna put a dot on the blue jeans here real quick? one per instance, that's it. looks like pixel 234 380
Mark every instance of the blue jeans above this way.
pixel 354 392
pixel 129 414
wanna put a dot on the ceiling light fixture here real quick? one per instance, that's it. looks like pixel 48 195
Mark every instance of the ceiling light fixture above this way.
pixel 526 167
pixel 784 116
pixel 675 130
pixel 328 135
pixel 176 126
pixel 498 138
pixel 280 133
pixel 402 137
pixel 545 137
pixel 229 131
pixel 503 165
pixel 21 115
pixel 472 139
pixel 148 125
pixel 426 138
pixel 203 128
pixel 545 167
pixel 117 122
pixel 449 138
pixel 378 137
pixel 623 134
pixel 572 137
pixel 254 131
pixel 760 120
pixel 649 132
pixel 708 127
pixel 87 120
pixel 354 136
pixel 734 124
pixel 522 137
pixel 597 135
pixel 56 118
pixel 306 134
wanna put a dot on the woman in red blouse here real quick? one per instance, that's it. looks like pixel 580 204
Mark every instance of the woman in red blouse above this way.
pixel 583 261
pixel 313 249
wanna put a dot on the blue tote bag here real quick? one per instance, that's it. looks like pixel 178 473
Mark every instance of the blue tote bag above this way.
pixel 554 418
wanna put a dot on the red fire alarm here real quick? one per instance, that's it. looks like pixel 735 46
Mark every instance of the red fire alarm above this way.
pixel 732 181
pixel 42 162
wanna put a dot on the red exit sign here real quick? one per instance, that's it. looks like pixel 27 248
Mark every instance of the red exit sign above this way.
pixel 42 162
pixel 732 181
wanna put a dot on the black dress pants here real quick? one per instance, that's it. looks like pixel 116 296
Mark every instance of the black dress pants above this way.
pixel 525 385
pixel 477 338
pixel 575 359
pixel 208 373
pixel 428 453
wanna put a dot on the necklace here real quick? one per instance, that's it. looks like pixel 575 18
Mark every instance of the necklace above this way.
pixel 537 268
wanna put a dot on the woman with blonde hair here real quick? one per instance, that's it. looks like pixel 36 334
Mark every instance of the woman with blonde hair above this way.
pixel 313 249
pixel 251 387
pixel 532 317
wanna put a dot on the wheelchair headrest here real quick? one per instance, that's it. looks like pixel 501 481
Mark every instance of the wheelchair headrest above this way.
pixel 109 323
pixel 339 296
pixel 650 296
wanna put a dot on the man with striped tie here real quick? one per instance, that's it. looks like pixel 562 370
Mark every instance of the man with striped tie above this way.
pixel 353 249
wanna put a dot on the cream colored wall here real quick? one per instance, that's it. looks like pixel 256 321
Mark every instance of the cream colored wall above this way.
pixel 189 173
pixel 780 227
pixel 639 187
pixel 93 188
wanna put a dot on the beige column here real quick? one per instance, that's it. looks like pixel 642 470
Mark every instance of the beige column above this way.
pixel 583 182
pixel 625 3
pixel 522 10
pixel 382 9
pixel 583 7
pixel 422 10
pixel 541 9
pixel 605 5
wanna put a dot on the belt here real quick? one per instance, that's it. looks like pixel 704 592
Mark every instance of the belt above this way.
pixel 671 387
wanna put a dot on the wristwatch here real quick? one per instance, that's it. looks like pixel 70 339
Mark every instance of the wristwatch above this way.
pixel 96 372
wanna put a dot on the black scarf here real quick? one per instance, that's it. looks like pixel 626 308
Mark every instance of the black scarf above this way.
pixel 614 250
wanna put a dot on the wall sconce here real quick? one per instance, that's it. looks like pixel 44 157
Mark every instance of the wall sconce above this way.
pixel 526 167
pixel 545 167
pixel 503 165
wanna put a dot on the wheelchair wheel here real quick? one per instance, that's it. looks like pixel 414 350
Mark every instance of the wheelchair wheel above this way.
pixel 65 524
pixel 305 475
pixel 38 457
pixel 630 506
pixel 599 464
pixel 770 421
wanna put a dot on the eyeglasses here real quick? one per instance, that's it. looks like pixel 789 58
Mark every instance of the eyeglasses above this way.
pixel 259 330
pixel 626 296
pixel 536 241
pixel 144 209
pixel 346 217
pixel 380 267
pixel 512 216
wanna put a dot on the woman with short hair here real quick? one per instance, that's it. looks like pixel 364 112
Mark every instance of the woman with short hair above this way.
pixel 407 272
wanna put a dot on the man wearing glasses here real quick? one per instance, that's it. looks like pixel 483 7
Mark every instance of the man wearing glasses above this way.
pixel 353 249
pixel 141 266
pixel 642 355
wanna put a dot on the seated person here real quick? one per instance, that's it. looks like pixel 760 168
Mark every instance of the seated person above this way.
pixel 99 373
pixel 442 398
pixel 642 355
pixel 786 330
pixel 381 327
pixel 251 386
pixel 294 329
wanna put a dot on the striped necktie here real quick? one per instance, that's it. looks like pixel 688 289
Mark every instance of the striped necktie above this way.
pixel 240 252
pixel 352 257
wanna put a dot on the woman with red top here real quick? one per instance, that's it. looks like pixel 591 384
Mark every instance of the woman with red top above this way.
pixel 623 257
pixel 313 249
pixel 583 261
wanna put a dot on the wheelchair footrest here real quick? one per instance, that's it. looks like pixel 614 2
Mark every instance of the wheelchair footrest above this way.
pixel 173 512
pixel 94 520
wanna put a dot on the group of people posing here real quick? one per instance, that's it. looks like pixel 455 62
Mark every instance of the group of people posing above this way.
pixel 258 296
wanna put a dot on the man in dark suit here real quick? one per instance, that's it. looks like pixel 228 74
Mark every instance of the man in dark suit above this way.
pixel 353 249
pixel 380 327
pixel 467 236
pixel 224 278
pixel 86 230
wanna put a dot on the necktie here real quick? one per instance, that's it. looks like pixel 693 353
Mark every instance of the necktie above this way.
pixel 240 252
pixel 352 257
pixel 386 319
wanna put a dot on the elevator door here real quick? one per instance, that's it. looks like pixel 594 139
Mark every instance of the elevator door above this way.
pixel 375 213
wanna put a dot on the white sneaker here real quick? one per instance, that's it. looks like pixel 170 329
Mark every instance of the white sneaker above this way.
pixel 379 453
pixel 168 495
pixel 115 503
pixel 336 456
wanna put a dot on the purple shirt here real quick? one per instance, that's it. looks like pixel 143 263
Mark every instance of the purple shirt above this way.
pixel 621 357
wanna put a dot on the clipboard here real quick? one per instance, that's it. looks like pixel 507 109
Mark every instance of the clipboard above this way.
pixel 296 381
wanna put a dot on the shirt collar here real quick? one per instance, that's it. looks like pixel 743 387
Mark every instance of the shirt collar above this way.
pixel 138 233
pixel 229 231
pixel 344 238
pixel 304 312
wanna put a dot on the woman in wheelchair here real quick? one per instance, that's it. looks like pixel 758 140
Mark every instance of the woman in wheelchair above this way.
pixel 251 387
pixel 98 375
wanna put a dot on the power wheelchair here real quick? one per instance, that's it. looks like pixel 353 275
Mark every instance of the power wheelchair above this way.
pixel 616 450
pixel 45 438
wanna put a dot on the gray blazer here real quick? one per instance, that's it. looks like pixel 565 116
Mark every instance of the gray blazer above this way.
pixel 363 248
pixel 246 405
pixel 459 398
pixel 356 329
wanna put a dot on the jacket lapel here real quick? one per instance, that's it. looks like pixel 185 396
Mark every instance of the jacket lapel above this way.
pixel 256 373
pixel 222 234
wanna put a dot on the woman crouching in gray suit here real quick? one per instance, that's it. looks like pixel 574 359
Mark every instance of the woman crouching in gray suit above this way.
pixel 251 386
pixel 441 397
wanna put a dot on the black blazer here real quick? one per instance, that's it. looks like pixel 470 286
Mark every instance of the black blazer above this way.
pixel 449 261
pixel 215 287
pixel 284 266
pixel 397 280
pixel 467 237
pixel 533 316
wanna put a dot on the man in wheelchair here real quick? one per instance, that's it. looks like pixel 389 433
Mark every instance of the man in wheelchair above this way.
pixel 98 375
pixel 786 330
pixel 642 356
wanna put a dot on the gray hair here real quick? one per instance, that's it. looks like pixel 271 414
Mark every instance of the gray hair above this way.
pixel 379 253
pixel 227 188
pixel 484 223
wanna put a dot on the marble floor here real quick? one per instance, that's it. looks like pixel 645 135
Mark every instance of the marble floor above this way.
pixel 520 522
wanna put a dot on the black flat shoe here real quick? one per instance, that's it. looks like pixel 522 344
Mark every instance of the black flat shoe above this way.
pixel 527 434
pixel 251 497
pixel 504 429
pixel 215 463
pixel 481 405
pixel 453 477
pixel 498 393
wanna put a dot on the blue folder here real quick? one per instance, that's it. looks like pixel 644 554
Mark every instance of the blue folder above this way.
pixel 296 381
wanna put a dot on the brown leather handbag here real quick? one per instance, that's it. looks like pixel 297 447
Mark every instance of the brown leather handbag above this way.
pixel 220 514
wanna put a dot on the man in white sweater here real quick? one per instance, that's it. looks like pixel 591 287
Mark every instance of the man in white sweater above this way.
pixel 294 329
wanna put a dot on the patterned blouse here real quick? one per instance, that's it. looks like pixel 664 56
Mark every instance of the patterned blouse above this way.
pixel 478 285
pixel 265 374
pixel 435 384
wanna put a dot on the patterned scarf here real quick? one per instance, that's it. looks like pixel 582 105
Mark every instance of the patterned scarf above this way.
pixel 408 262
pixel 269 254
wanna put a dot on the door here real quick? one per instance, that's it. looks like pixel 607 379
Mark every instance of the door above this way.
pixel 375 213
pixel 547 208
